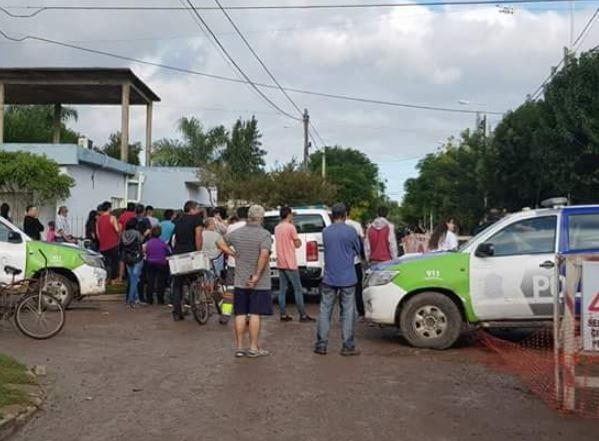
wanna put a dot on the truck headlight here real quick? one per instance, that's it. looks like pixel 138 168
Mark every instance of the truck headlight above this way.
pixel 376 278
pixel 94 260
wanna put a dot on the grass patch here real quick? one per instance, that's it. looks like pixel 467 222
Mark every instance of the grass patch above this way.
pixel 13 372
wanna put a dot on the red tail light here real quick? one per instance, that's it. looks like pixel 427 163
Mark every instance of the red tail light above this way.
pixel 312 251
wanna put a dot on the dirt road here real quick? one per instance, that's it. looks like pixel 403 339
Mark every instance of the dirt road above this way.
pixel 118 374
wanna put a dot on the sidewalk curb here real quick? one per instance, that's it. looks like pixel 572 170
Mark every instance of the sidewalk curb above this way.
pixel 14 417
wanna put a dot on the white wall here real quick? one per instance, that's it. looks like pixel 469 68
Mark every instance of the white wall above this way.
pixel 92 186
pixel 166 187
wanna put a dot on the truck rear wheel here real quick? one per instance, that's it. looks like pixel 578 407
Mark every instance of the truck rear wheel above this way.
pixel 430 320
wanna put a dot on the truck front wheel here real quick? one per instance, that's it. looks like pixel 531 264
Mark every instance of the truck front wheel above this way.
pixel 430 320
pixel 60 287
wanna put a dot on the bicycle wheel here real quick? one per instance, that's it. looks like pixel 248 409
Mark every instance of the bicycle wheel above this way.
pixel 199 303
pixel 39 316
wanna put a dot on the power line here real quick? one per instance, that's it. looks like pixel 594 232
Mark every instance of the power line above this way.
pixel 239 81
pixel 39 9
pixel 237 67
pixel 268 71
pixel 257 57
pixel 576 44
pixel 583 34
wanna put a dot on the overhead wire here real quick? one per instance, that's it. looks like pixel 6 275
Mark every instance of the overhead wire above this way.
pixel 40 9
pixel 237 66
pixel 268 71
pixel 240 81
pixel 218 49
pixel 576 45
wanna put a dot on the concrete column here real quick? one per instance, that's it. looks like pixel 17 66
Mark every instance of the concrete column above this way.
pixel 149 112
pixel 56 124
pixel 1 113
pixel 126 93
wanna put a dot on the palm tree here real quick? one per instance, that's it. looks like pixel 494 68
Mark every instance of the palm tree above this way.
pixel 196 148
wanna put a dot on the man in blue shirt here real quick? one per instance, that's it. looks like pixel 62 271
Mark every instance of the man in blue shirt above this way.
pixel 341 246
pixel 167 227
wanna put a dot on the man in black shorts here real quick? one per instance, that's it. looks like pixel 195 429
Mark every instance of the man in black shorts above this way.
pixel 251 248
pixel 187 238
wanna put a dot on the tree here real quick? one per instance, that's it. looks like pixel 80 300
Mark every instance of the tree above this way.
pixel 113 149
pixel 22 172
pixel 356 177
pixel 197 148
pixel 243 153
pixel 452 182
pixel 34 124
pixel 286 184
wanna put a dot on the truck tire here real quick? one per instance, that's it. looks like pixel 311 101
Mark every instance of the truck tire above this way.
pixel 60 287
pixel 430 320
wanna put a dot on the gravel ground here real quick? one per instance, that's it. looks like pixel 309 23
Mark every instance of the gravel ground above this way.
pixel 119 374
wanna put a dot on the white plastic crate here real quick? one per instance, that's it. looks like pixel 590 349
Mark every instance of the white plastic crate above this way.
pixel 189 263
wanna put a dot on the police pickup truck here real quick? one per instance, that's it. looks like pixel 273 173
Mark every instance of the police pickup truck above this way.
pixel 502 277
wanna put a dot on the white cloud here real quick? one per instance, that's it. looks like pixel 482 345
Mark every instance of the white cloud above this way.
pixel 418 55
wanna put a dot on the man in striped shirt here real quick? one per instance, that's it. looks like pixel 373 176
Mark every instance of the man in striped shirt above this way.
pixel 250 245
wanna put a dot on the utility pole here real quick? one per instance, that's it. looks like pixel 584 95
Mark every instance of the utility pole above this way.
pixel 306 120
pixel 324 162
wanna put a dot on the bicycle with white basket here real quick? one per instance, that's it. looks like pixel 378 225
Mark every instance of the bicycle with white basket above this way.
pixel 200 291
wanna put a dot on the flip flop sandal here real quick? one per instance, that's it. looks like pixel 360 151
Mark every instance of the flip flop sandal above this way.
pixel 240 354
pixel 258 353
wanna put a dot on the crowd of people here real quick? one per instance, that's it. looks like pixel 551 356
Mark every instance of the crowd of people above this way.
pixel 136 246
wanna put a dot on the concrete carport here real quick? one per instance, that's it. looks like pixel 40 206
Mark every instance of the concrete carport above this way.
pixel 78 86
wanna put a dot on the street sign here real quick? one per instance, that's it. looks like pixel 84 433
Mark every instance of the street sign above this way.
pixel 590 306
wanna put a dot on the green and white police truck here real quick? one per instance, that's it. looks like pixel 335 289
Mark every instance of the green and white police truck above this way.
pixel 73 272
pixel 502 277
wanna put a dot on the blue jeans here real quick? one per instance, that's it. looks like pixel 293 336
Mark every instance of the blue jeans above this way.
pixel 134 272
pixel 286 277
pixel 347 302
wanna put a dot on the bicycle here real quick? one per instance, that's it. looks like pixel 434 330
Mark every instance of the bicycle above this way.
pixel 206 290
pixel 37 313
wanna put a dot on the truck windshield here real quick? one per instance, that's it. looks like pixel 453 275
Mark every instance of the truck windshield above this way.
pixel 304 223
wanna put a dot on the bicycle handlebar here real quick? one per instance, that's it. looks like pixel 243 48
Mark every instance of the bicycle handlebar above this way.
pixel 45 257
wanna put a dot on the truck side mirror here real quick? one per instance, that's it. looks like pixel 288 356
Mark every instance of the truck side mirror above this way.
pixel 14 237
pixel 485 250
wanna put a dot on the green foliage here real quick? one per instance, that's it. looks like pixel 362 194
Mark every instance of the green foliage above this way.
pixel 450 183
pixel 541 149
pixel 113 149
pixel 34 124
pixel 38 175
pixel 356 177
pixel 285 184
pixel 196 149
pixel 242 153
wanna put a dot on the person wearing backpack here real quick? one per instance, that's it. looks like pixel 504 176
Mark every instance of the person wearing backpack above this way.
pixel 132 256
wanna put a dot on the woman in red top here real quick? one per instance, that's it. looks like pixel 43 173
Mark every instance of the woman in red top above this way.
pixel 108 233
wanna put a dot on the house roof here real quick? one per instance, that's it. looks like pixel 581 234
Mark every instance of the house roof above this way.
pixel 71 154
pixel 73 86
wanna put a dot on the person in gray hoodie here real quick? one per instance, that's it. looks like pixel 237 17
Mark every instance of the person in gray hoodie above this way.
pixel 132 256
pixel 380 244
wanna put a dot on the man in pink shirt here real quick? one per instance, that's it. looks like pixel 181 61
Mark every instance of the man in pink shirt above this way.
pixel 287 241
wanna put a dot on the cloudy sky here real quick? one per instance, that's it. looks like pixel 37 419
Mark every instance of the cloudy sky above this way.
pixel 417 55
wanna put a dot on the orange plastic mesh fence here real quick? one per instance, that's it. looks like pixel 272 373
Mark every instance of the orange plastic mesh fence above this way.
pixel 567 384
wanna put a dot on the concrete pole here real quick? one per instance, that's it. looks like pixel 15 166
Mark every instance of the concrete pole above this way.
pixel 149 112
pixel 56 124
pixel 126 93
pixel 306 120
pixel 1 113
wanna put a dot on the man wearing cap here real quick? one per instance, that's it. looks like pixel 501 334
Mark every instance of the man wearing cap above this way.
pixel 341 246
pixel 251 246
